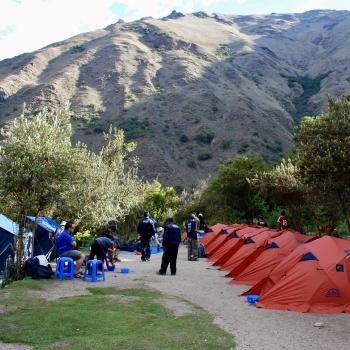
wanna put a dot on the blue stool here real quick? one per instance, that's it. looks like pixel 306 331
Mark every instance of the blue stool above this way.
pixel 64 271
pixel 93 265
pixel 252 299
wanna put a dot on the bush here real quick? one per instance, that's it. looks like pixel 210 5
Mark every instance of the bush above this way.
pixel 77 48
pixel 205 156
pixel 184 138
pixel 215 109
pixel 243 148
pixel 226 144
pixel 191 164
pixel 205 138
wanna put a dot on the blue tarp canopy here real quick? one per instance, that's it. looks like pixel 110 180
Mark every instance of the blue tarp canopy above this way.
pixel 8 233
pixel 46 223
pixel 43 234
pixel 8 225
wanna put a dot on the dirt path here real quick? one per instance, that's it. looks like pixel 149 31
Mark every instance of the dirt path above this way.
pixel 203 285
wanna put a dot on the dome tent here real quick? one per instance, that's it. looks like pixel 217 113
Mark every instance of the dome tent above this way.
pixel 314 278
pixel 274 251
pixel 223 254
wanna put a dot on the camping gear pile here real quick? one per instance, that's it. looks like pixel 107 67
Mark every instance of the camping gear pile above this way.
pixel 285 269
pixel 44 228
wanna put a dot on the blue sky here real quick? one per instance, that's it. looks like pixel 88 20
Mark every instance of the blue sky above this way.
pixel 27 25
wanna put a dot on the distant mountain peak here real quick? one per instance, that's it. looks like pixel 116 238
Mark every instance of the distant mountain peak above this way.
pixel 174 15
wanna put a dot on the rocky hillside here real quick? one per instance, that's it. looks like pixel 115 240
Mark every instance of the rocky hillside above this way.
pixel 192 90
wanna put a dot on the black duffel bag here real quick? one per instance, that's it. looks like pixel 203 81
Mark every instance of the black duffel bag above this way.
pixel 34 270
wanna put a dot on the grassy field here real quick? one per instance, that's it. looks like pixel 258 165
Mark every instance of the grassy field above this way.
pixel 107 319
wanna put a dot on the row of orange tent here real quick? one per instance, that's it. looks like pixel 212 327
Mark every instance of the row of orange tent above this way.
pixel 287 269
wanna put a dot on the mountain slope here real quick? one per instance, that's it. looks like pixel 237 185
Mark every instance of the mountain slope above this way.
pixel 191 90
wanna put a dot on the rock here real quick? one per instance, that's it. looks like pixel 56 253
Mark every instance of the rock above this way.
pixel 201 14
pixel 174 15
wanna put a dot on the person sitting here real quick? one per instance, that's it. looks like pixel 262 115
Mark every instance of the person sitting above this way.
pixel 66 247
pixel 103 248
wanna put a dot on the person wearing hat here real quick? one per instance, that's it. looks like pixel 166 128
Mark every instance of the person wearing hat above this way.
pixel 146 228
pixel 60 228
pixel 192 238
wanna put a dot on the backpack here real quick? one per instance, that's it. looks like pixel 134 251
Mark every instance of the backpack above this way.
pixel 34 270
pixel 201 251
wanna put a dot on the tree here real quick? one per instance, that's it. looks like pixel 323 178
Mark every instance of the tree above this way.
pixel 160 201
pixel 103 189
pixel 282 186
pixel 42 172
pixel 323 151
pixel 35 153
pixel 233 185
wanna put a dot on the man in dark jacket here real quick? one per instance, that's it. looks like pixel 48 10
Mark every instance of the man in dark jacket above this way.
pixel 146 228
pixel 102 247
pixel 192 238
pixel 171 242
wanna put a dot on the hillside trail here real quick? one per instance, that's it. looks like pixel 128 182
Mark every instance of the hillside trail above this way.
pixel 203 285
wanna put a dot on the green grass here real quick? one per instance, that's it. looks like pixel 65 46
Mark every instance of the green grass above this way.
pixel 99 322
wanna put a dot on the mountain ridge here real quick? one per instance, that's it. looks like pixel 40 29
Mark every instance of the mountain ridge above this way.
pixel 192 90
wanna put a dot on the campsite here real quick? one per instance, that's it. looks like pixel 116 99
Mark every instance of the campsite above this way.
pixel 174 178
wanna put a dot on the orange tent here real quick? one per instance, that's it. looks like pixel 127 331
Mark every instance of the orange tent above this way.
pixel 253 247
pixel 224 236
pixel 234 244
pixel 257 267
pixel 215 231
pixel 314 278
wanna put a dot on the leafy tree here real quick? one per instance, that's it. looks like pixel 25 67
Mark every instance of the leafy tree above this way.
pixel 282 186
pixel 323 151
pixel 42 172
pixel 160 201
pixel 234 187
pixel 35 163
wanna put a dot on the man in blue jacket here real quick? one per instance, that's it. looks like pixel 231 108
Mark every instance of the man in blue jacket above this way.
pixel 171 242
pixel 192 238
pixel 146 228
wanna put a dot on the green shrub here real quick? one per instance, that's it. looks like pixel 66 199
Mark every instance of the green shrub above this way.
pixel 191 164
pixel 184 138
pixel 243 148
pixel 215 109
pixel 205 156
pixel 77 48
pixel 205 138
pixel 226 144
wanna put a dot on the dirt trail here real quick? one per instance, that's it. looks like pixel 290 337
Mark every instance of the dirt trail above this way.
pixel 205 286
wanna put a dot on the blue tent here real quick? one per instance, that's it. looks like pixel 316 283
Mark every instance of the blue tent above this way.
pixel 8 234
pixel 46 229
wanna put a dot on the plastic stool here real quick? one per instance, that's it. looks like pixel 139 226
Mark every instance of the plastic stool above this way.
pixel 252 299
pixel 64 271
pixel 94 275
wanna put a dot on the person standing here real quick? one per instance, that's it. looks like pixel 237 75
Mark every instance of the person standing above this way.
pixel 282 221
pixel 171 242
pixel 146 229
pixel 192 238
pixel 66 247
